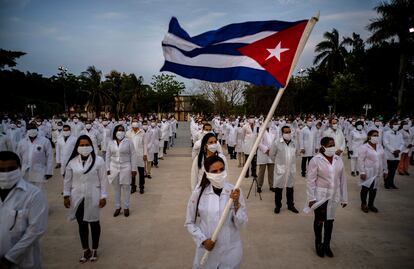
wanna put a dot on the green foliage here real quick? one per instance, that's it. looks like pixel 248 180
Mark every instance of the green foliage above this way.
pixel 8 58
pixel 165 88
pixel 201 104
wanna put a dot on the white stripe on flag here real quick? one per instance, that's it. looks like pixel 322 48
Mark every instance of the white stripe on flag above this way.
pixel 174 40
pixel 250 38
pixel 209 60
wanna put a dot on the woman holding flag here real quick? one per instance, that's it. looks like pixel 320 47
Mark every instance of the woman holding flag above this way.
pixel 206 204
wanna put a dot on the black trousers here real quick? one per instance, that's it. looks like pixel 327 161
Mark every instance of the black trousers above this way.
pixel 232 153
pixel 84 229
pixel 305 161
pixel 392 168
pixel 320 223
pixel 289 197
pixel 372 193
pixel 164 150
pixel 141 174
pixel 253 165
pixel 155 161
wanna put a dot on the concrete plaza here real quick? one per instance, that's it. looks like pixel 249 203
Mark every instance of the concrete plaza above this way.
pixel 153 236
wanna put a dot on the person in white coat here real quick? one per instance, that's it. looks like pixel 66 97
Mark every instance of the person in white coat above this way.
pixel 372 165
pixel 209 146
pixel 92 133
pixel 36 155
pixel 106 132
pixel 5 143
pixel 357 138
pixel 121 165
pixel 408 138
pixel 165 135
pixel 338 136
pixel 249 137
pixel 64 148
pixel 326 188
pixel 265 161
pixel 14 134
pixel 84 191
pixel 76 126
pixel 283 152
pixel 207 128
pixel 206 204
pixel 239 145
pixel 232 139
pixel 24 214
pixel 393 146
pixel 307 144
pixel 151 149
pixel 138 138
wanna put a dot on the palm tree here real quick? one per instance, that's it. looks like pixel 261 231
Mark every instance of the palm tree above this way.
pixel 332 53
pixel 98 96
pixel 396 18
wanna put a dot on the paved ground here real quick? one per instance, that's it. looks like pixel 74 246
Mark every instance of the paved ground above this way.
pixel 154 235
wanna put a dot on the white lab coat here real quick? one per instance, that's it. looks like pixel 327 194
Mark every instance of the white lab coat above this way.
pixel 265 145
pixel 106 137
pixel 239 144
pixel 249 137
pixel 63 151
pixel 408 140
pixel 76 128
pixel 5 143
pixel 90 187
pixel 121 160
pixel 338 137
pixel 307 141
pixel 150 137
pixel 357 139
pixel 228 251
pixel 140 144
pixel 393 141
pixel 232 135
pixel 326 182
pixel 36 158
pixel 165 131
pixel 372 163
pixel 23 221
pixel 284 157
pixel 197 174
pixel 15 135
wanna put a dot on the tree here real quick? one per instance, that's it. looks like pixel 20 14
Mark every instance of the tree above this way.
pixel 395 20
pixel 98 96
pixel 166 88
pixel 133 93
pixel 200 104
pixel 332 53
pixel 8 58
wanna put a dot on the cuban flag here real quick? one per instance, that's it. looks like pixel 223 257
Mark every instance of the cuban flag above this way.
pixel 259 52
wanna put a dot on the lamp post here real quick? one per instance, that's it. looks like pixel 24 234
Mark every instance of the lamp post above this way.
pixel 63 75
pixel 31 106
pixel 367 107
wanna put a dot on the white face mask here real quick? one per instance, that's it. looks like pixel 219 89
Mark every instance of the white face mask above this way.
pixel 32 133
pixel 9 179
pixel 287 137
pixel 217 180
pixel 251 121
pixel 334 126
pixel 75 120
pixel 395 127
pixel 145 127
pixel 59 127
pixel 359 127
pixel 134 124
pixel 309 124
pixel 212 147
pixel 88 126
pixel 374 139
pixel 120 135
pixel 13 126
pixel 330 151
pixel 406 127
pixel 85 151
pixel 66 133
pixel 105 122
pixel 153 125
pixel 377 123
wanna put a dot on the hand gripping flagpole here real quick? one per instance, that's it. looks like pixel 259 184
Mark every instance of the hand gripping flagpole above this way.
pixel 304 38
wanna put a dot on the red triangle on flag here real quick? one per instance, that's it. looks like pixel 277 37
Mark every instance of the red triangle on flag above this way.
pixel 275 53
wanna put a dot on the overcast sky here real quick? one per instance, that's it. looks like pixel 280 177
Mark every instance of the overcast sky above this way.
pixel 126 35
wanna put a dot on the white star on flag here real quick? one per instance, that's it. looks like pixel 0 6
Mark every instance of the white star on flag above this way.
pixel 276 51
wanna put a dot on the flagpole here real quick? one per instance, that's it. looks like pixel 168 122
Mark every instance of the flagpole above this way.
pixel 306 33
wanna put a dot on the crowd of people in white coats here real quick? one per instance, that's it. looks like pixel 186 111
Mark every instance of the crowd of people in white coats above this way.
pixel 376 148
pixel 90 154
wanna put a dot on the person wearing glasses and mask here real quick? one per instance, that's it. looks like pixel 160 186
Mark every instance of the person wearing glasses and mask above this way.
pixel 372 165
pixel 326 188
pixel 208 147
pixel 121 165
pixel 23 216
pixel 84 191
pixel 204 209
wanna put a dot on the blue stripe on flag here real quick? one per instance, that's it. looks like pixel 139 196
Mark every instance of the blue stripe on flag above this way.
pixel 255 76
pixel 229 31
pixel 226 49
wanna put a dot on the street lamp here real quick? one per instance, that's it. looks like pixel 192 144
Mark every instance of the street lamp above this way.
pixel 63 74
pixel 367 107
pixel 31 106
pixel 411 30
